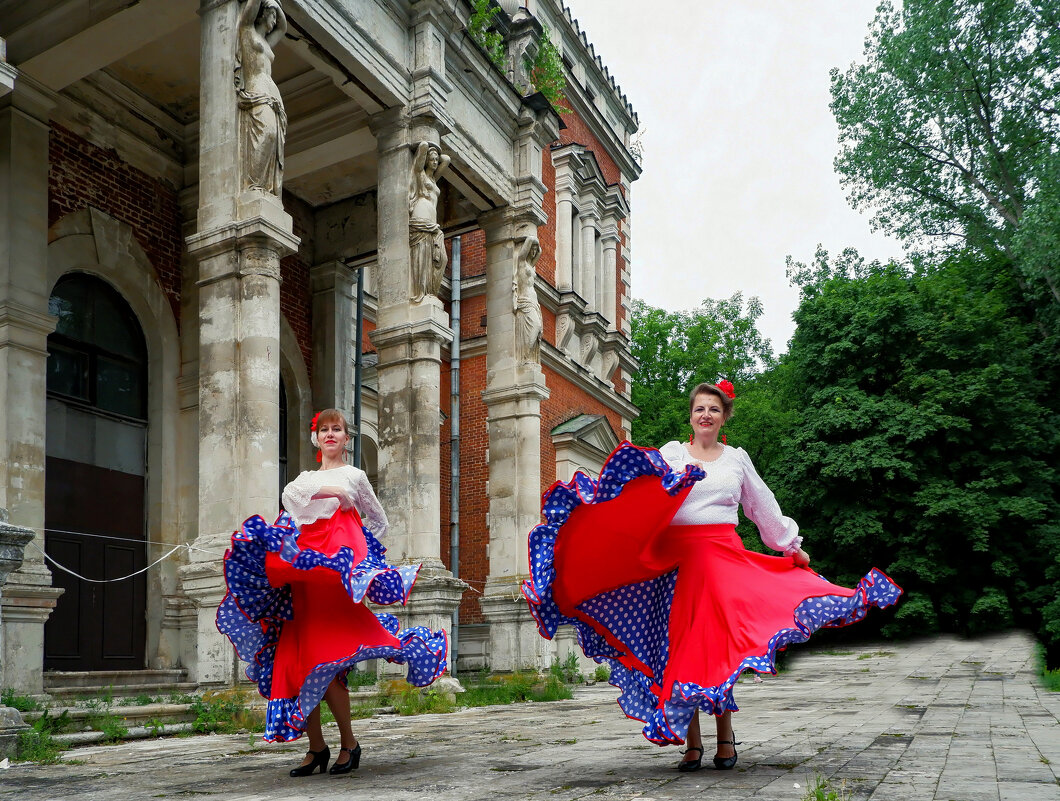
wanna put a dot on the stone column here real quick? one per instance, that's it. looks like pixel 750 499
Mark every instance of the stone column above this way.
pixel 241 236
pixel 609 272
pixel 334 311
pixel 25 324
pixel 513 398
pixel 409 338
pixel 564 243
pixel 587 263
pixel 13 540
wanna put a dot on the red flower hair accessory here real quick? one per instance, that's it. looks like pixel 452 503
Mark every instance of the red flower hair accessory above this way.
pixel 313 424
pixel 726 386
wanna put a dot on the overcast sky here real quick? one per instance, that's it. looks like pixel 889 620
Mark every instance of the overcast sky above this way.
pixel 738 139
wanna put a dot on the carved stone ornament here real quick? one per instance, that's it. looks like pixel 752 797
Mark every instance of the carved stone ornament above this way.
pixel 528 323
pixel 262 119
pixel 426 240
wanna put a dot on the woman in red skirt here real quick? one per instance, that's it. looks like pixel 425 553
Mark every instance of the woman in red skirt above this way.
pixel 295 611
pixel 646 563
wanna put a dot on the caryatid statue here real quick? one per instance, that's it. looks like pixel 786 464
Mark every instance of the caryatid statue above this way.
pixel 528 325
pixel 426 240
pixel 262 120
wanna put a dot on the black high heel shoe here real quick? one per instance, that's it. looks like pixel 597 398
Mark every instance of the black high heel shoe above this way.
pixel 320 760
pixel 689 765
pixel 349 764
pixel 727 763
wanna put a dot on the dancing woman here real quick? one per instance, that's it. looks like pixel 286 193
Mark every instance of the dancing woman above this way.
pixel 647 565
pixel 295 607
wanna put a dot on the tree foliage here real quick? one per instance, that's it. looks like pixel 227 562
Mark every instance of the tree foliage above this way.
pixel 949 130
pixel 677 350
pixel 925 439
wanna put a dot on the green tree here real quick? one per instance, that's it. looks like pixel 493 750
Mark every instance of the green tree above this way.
pixel 925 440
pixel 677 350
pixel 948 130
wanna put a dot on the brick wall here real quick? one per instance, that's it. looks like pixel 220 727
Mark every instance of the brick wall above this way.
pixel 81 174
pixel 474 473
pixel 296 295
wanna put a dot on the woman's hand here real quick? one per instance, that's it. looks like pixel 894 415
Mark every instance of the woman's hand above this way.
pixel 801 558
pixel 338 493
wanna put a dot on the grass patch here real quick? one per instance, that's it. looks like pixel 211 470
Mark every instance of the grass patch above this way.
pixel 143 700
pixel 567 671
pixel 822 790
pixel 113 728
pixel 409 700
pixel 602 673
pixel 226 712
pixel 515 688
pixel 875 654
pixel 38 745
pixel 1050 678
pixel 23 703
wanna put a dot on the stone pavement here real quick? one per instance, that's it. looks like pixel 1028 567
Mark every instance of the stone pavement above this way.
pixel 942 718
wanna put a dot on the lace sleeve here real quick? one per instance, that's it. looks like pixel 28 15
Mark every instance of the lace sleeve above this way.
pixel 296 496
pixel 368 506
pixel 777 532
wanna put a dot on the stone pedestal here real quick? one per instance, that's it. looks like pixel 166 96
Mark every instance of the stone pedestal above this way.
pixel 13 540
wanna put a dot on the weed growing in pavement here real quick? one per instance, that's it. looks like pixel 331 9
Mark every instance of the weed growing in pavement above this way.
pixel 143 700
pixel 822 790
pixel 113 729
pixel 602 673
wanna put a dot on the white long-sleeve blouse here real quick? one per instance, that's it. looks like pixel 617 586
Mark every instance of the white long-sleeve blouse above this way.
pixel 299 502
pixel 732 480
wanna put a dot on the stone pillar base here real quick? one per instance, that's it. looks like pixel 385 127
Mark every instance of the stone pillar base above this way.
pixel 11 725
pixel 434 599
pixel 213 661
pixel 515 643
pixel 24 609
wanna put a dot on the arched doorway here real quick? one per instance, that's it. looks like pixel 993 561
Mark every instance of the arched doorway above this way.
pixel 95 475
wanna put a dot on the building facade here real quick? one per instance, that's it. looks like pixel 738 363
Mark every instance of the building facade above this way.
pixel 191 192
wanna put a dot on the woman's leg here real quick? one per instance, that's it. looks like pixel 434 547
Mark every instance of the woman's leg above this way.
pixel 724 726
pixel 693 740
pixel 315 733
pixel 338 700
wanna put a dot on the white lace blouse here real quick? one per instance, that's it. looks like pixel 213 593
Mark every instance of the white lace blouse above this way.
pixel 732 480
pixel 299 502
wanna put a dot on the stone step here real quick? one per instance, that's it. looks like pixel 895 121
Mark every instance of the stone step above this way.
pixel 88 691
pixel 117 679
pixel 84 716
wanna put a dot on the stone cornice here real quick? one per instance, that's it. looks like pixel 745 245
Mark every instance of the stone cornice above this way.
pixel 581 377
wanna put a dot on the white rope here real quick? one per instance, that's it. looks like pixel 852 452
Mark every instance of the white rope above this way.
pixel 106 581
pixel 119 539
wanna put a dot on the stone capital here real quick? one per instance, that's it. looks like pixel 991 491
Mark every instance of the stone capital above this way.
pixel 391 129
pixel 332 276
pixel 260 239
pixel 23 603
pixel 25 328
pixel 29 97
pixel 515 392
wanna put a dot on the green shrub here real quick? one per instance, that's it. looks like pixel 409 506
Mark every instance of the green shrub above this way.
pixel 602 673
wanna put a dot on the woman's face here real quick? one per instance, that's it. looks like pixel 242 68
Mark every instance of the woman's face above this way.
pixel 269 17
pixel 708 415
pixel 432 158
pixel 332 438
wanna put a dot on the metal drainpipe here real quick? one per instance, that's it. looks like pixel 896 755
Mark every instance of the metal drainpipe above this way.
pixel 358 358
pixel 454 445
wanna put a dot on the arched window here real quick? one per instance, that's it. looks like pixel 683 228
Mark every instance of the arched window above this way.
pixel 97 356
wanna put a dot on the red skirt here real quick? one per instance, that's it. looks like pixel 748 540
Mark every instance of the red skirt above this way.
pixel 326 625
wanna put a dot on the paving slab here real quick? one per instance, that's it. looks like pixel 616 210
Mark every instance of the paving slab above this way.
pixel 940 719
